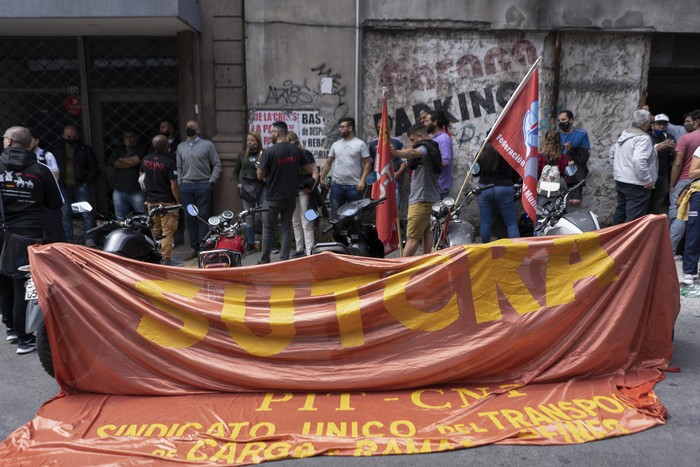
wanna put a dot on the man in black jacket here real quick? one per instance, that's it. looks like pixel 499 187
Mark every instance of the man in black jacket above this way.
pixel 79 169
pixel 27 188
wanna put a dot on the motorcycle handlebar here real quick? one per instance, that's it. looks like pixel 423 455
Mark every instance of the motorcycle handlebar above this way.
pixel 104 226
pixel 161 209
pixel 477 191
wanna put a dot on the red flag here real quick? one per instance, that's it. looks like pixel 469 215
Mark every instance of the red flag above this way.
pixel 387 213
pixel 515 136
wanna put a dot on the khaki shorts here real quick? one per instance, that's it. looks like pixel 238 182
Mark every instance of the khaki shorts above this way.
pixel 419 219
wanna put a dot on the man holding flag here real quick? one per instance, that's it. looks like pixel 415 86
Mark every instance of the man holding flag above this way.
pixel 514 136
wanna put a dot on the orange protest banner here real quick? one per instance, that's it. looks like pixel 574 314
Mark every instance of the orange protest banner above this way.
pixel 305 351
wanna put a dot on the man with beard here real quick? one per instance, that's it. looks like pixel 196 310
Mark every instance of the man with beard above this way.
pixel 437 127
pixel 280 165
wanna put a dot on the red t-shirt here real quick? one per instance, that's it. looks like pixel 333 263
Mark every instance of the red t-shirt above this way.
pixel 688 143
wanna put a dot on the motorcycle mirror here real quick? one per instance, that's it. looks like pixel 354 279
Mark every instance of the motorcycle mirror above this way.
pixel 372 177
pixel 81 206
pixel 310 215
pixel 192 210
pixel 571 170
pixel 475 168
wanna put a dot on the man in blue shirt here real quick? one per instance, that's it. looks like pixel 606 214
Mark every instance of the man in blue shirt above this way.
pixel 577 147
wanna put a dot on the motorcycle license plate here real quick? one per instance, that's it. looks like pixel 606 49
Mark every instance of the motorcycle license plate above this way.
pixel 29 291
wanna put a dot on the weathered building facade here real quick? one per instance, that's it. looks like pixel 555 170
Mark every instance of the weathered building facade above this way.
pixel 242 64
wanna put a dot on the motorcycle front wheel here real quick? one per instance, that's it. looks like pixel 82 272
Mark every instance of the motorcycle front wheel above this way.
pixel 44 350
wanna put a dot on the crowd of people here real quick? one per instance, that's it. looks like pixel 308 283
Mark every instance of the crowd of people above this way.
pixel 655 167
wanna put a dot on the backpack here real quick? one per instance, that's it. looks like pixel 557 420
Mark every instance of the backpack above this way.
pixel 550 181
pixel 433 154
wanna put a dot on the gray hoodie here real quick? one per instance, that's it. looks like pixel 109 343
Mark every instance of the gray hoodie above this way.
pixel 634 158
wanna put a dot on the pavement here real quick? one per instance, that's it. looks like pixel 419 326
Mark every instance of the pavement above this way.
pixel 24 387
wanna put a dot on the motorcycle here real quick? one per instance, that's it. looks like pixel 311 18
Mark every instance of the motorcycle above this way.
pixel 448 229
pixel 351 236
pixel 130 238
pixel 553 219
pixel 224 246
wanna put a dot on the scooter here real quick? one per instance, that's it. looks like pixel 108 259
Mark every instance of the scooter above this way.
pixel 130 238
pixel 224 246
pixel 553 219
pixel 351 236
pixel 448 229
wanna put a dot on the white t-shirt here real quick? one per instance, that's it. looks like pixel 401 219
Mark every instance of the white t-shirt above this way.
pixel 347 166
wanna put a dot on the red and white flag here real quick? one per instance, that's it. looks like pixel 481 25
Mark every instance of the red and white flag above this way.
pixel 514 135
pixel 387 213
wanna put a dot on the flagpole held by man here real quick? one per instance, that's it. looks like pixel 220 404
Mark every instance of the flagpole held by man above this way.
pixel 387 213
pixel 514 136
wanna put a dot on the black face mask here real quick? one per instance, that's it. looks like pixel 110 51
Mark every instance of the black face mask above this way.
pixel 564 125
pixel 190 132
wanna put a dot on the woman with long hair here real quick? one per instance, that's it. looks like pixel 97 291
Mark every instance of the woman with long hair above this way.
pixel 501 198
pixel 551 154
pixel 250 189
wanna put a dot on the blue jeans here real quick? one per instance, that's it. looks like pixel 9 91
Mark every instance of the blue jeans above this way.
pixel 250 220
pixel 677 226
pixel 632 202
pixel 343 194
pixel 691 254
pixel 73 195
pixel 198 194
pixel 501 199
pixel 126 202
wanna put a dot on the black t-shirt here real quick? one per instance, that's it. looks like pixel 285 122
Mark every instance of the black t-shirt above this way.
pixel 126 179
pixel 159 169
pixel 282 162
pixel 308 159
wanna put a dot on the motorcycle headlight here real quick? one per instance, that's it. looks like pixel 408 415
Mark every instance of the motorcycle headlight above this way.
pixel 214 220
pixel 347 211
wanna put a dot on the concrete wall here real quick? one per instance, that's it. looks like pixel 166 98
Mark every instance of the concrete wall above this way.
pixel 541 15
pixel 289 55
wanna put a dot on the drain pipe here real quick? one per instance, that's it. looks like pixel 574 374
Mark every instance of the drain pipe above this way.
pixel 358 57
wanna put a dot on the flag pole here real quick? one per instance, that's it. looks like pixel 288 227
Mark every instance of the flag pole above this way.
pixel 398 219
pixel 498 120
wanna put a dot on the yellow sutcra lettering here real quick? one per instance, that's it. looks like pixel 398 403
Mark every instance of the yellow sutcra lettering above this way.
pixel 159 330
pixel 398 306
pixel 282 329
pixel 562 275
pixel 347 305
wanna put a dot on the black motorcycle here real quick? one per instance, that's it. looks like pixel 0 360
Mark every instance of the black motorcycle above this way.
pixel 351 235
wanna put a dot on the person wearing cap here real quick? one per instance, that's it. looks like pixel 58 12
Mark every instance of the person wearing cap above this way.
pixel 665 145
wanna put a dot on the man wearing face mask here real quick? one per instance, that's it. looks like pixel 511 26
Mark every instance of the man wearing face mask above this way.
pixel 680 172
pixel 665 146
pixel 78 170
pixel 198 169
pixel 577 148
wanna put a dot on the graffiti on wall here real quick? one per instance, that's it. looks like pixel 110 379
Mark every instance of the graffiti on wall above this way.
pixel 469 82
pixel 307 92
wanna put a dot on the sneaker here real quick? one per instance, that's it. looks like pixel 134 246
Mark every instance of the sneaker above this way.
pixel 678 258
pixel 90 243
pixel 12 336
pixel 190 255
pixel 275 251
pixel 687 279
pixel 297 254
pixel 27 346
pixel 170 262
pixel 263 262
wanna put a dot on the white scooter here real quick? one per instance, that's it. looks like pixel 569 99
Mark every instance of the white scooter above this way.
pixel 553 219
